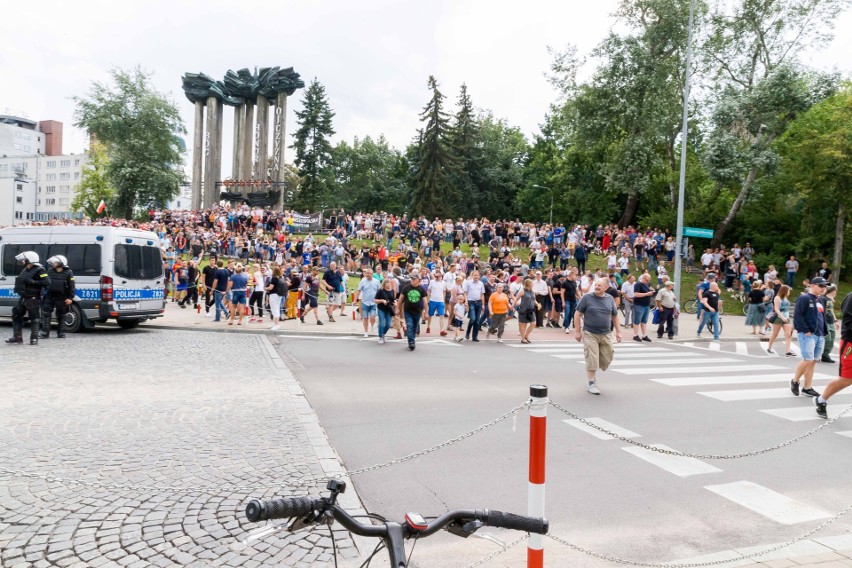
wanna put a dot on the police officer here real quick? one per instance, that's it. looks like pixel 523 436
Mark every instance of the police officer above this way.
pixel 29 285
pixel 60 295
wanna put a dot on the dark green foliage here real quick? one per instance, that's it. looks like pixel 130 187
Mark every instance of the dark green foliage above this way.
pixel 370 176
pixel 139 128
pixel 312 143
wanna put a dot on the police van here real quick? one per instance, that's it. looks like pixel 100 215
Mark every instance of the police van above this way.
pixel 118 271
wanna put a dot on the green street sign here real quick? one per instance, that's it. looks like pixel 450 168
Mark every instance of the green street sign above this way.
pixel 695 232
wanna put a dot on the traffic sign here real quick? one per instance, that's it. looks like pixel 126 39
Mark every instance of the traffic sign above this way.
pixel 695 232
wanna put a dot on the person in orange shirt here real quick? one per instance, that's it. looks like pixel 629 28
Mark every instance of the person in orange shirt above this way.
pixel 498 306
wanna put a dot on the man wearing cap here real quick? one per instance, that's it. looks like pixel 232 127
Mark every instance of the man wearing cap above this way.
pixel 811 328
pixel 844 378
pixel 666 302
pixel 410 303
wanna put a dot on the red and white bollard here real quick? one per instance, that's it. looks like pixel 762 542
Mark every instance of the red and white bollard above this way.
pixel 535 496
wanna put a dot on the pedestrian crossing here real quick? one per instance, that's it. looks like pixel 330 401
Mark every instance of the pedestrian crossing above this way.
pixel 760 383
pixel 751 348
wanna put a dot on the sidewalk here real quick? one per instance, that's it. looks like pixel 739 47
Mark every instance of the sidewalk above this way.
pixel 190 319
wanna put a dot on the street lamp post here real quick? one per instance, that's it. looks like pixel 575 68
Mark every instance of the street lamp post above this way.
pixel 683 140
pixel 551 199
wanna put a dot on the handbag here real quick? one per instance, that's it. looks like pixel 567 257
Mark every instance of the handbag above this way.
pixel 655 316
pixel 772 317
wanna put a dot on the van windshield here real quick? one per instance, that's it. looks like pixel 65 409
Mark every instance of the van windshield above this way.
pixel 138 262
pixel 82 259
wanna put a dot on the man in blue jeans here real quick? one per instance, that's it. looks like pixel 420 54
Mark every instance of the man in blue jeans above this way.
pixel 712 303
pixel 411 303
pixel 811 329
pixel 220 286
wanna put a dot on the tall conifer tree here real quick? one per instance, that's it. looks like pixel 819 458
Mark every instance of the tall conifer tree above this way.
pixel 313 148
pixel 433 194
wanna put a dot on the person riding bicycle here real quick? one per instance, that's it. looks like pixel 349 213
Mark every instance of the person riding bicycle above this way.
pixel 60 295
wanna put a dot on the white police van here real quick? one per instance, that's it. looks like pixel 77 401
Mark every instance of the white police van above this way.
pixel 118 271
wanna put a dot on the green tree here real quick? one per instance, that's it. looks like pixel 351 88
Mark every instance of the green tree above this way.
pixel 94 183
pixel 503 154
pixel 139 128
pixel 465 143
pixel 313 148
pixel 756 43
pixel 433 194
pixel 369 176
pixel 817 151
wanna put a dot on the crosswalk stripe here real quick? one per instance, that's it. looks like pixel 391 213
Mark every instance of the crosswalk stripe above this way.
pixel 783 378
pixel 847 433
pixel 715 347
pixel 714 369
pixel 579 347
pixel 674 360
pixel 564 344
pixel 804 413
pixel 623 432
pixel 624 356
pixel 742 348
pixel 678 465
pixel 768 503
pixel 754 394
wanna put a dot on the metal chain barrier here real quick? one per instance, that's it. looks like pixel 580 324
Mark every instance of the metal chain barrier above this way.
pixel 699 456
pixel 309 481
pixel 493 555
pixel 756 556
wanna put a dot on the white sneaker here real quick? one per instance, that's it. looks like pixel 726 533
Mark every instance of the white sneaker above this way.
pixel 274 328
pixel 593 389
pixel 366 335
pixel 381 340
pixel 567 331
pixel 208 315
pixel 499 340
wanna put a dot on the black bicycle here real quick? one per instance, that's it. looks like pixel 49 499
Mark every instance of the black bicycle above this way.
pixel 307 512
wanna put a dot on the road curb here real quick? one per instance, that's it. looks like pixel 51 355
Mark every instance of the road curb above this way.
pixel 327 456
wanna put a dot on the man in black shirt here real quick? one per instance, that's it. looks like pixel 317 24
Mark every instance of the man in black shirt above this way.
pixel 411 304
pixel 642 294
pixel 208 273
pixel 569 287
pixel 844 378
pixel 712 302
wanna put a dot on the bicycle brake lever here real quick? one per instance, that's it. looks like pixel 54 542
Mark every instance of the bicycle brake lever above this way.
pixel 492 538
pixel 464 530
pixel 302 522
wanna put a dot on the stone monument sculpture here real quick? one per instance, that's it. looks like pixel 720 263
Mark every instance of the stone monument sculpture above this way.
pixel 265 88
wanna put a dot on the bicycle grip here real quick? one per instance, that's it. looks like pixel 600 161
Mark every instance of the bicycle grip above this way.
pixel 511 521
pixel 282 508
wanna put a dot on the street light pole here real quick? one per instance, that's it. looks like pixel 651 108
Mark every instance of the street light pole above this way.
pixel 683 141
pixel 551 199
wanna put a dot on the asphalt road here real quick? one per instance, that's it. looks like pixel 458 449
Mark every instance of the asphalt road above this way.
pixel 380 402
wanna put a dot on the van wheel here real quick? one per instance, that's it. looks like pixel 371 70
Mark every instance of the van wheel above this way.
pixel 73 319
pixel 128 324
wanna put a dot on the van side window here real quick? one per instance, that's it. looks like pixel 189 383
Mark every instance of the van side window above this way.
pixel 138 262
pixel 11 267
pixel 84 260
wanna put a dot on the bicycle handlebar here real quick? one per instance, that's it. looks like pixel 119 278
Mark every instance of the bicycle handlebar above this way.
pixel 286 507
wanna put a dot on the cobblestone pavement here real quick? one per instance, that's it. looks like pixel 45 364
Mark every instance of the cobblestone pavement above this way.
pixel 151 408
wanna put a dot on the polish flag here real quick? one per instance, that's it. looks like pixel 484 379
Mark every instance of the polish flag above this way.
pixel 101 206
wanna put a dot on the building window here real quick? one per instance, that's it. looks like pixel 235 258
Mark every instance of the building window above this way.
pixel 65 163
pixel 39 201
pixel 20 187
pixel 76 162
pixel 65 175
pixel 51 177
pixel 50 202
pixel 63 202
pixel 51 189
pixel 19 199
pixel 51 163
pixel 76 175
pixel 18 215
pixel 64 189
pixel 29 216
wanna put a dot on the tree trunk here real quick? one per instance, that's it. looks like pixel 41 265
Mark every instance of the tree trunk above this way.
pixel 629 210
pixel 838 242
pixel 723 227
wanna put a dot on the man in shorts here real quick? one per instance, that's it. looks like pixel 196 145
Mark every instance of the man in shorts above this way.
pixel 436 291
pixel 368 287
pixel 597 317
pixel 811 328
pixel 844 378
pixel 333 285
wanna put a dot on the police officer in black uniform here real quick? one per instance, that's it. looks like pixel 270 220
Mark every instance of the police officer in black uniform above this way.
pixel 60 295
pixel 29 285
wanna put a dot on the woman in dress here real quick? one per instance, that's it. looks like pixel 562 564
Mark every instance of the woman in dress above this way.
pixel 756 309
pixel 780 319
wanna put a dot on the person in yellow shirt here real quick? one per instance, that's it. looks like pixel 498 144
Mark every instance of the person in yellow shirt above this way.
pixel 498 306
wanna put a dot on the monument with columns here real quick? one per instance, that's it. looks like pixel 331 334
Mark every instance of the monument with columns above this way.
pixel 258 99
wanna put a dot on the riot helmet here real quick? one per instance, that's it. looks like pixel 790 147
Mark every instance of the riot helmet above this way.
pixel 27 257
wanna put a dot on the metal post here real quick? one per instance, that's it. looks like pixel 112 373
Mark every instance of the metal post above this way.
pixel 683 142
pixel 535 494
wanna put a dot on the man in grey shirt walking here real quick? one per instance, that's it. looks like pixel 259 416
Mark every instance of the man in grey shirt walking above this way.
pixel 598 315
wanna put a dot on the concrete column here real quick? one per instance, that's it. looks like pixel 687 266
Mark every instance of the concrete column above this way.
pixel 278 139
pixel 239 114
pixel 248 138
pixel 209 152
pixel 197 155
pixel 262 138
pixel 217 163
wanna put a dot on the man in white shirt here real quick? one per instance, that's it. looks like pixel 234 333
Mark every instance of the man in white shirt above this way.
pixel 436 291
pixel 474 290
pixel 627 294
pixel 707 259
